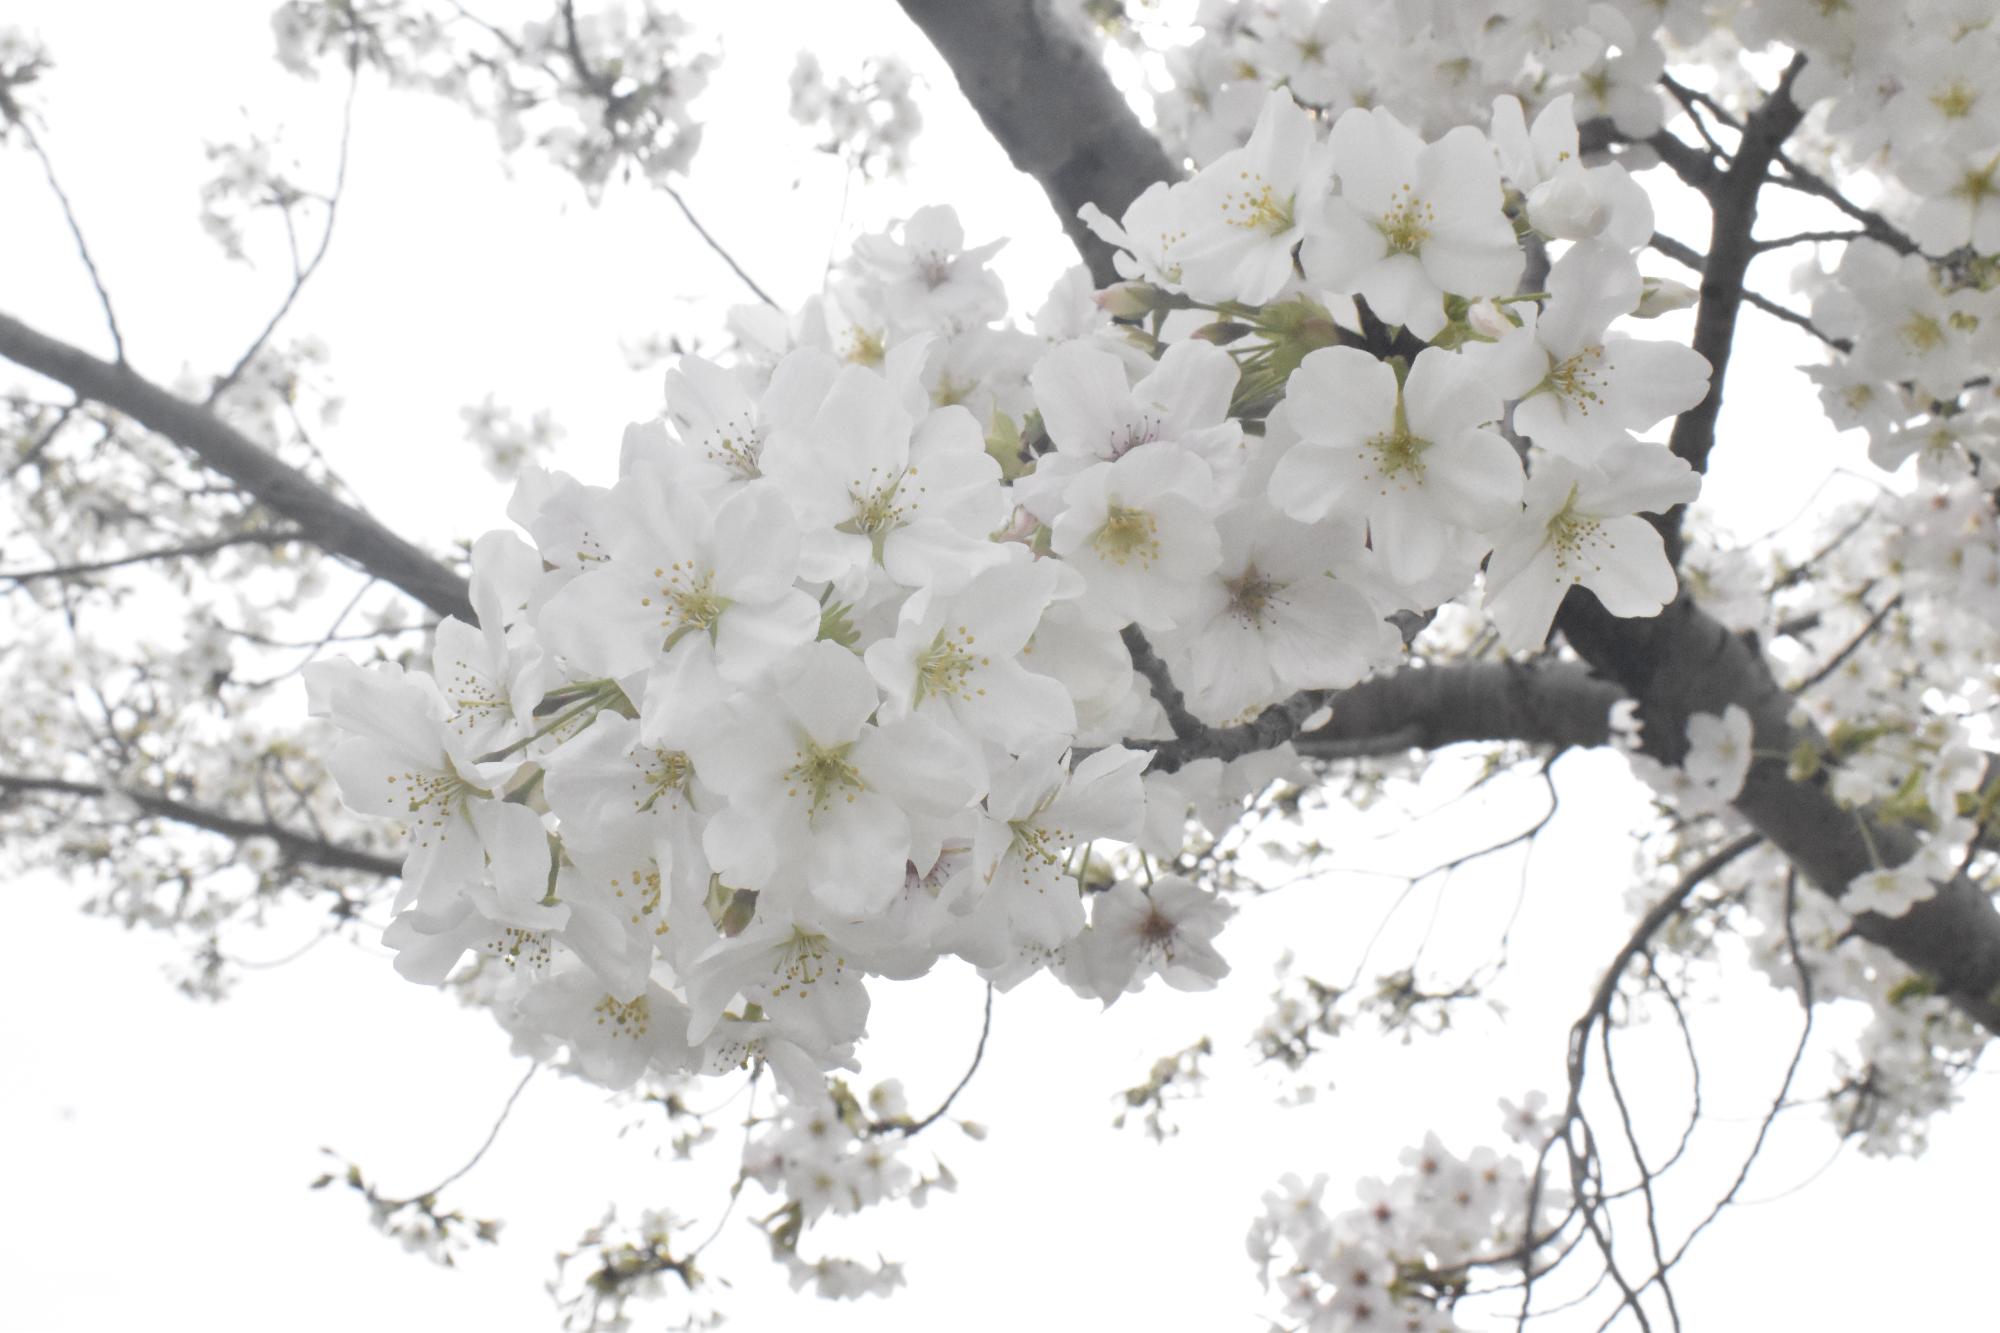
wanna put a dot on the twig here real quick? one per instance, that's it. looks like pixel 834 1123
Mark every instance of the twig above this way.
pixel 301 275
pixel 1165 692
pixel 1848 649
pixel 76 232
pixel 716 245
pixel 492 1134
pixel 268 537
pixel 914 1127
pixel 295 846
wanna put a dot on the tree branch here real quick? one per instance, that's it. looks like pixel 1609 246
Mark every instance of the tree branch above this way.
pixel 1042 91
pixel 76 234
pixel 301 273
pixel 1682 253
pixel 1730 250
pixel 1418 708
pixel 1543 702
pixel 334 526
pixel 268 537
pixel 1684 661
pixel 295 846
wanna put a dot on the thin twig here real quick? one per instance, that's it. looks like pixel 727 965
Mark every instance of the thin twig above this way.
pixel 717 246
pixel 911 1128
pixel 1848 649
pixel 492 1134
pixel 268 537
pixel 301 275
pixel 82 246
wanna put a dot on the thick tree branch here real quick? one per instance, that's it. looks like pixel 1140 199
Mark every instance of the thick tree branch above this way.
pixel 1683 662
pixel 1418 708
pixel 334 526
pixel 1042 91
pixel 303 848
pixel 1545 702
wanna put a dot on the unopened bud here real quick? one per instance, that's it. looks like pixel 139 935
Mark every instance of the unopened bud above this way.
pixel 1659 295
pixel 1221 333
pixel 1488 320
pixel 1130 300
pixel 1566 208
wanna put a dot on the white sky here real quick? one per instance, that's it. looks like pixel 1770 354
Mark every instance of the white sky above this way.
pixel 161 1148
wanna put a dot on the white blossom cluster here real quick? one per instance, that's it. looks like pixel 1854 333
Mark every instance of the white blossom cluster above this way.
pixel 870 121
pixel 835 680
pixel 602 90
pixel 1436 63
pixel 831 683
pixel 1384 1263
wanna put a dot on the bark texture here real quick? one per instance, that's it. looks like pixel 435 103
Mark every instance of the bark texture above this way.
pixel 1040 87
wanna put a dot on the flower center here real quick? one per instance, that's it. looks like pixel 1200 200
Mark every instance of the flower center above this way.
pixel 1038 844
pixel 738 445
pixel 1977 185
pixel 824 773
pixel 1576 380
pixel 474 698
pixel 1157 932
pixel 1128 533
pixel 934 269
pixel 1399 453
pixel 434 798
pixel 1922 333
pixel 878 510
pixel 515 946
pixel 1954 101
pixel 688 601
pixel 865 347
pixel 1249 594
pixel 946 666
pixel 1407 224
pixel 629 1019
pixel 1256 207
pixel 803 961
pixel 646 884
pixel 1573 535
pixel 1144 430
pixel 669 772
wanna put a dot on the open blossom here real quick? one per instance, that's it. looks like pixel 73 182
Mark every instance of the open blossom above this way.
pixel 1093 414
pixel 722 422
pixel 872 486
pixel 1037 814
pixel 1413 221
pixel 685 578
pixel 1147 239
pixel 1244 213
pixel 1416 458
pixel 1567 200
pixel 1581 388
pixel 1894 890
pixel 1140 532
pixel 821 799
pixel 1163 929
pixel 402 761
pixel 928 278
pixel 1273 618
pixel 1580 529
pixel 956 657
